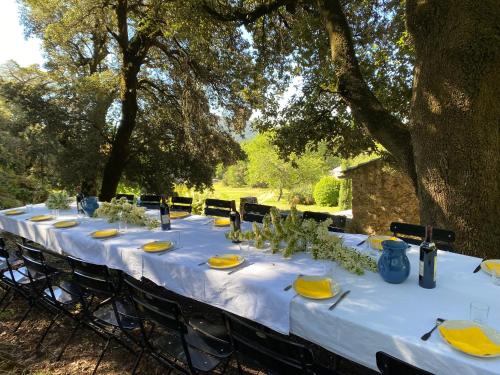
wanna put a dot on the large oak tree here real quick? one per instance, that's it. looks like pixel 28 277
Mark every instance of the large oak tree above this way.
pixel 441 126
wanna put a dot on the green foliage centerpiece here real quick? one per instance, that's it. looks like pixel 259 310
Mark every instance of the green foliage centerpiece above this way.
pixel 58 200
pixel 292 235
pixel 122 210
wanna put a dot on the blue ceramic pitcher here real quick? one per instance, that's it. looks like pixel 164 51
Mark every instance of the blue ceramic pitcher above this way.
pixel 393 265
pixel 89 205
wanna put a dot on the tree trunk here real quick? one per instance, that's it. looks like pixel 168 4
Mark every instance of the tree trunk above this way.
pixel 121 149
pixel 455 119
pixel 280 194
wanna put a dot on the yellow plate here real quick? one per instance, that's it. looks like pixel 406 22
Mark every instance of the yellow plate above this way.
pixel 157 246
pixel 41 217
pixel 178 214
pixel 66 224
pixel 14 212
pixel 225 261
pixel 376 241
pixel 316 287
pixel 471 338
pixel 221 222
pixel 106 233
pixel 489 265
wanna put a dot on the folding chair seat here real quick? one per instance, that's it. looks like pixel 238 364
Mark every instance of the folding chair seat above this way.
pixel 58 297
pixel 181 346
pixel 110 315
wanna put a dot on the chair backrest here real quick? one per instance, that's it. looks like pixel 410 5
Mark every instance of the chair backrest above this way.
pixel 338 221
pixel 93 277
pixel 389 365
pixel 255 212
pixel 151 306
pixel 218 207
pixel 443 238
pixel 128 197
pixel 181 204
pixel 150 201
pixel 34 260
pixel 274 351
pixel 4 254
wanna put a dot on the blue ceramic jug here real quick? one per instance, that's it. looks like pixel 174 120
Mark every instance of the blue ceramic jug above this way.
pixel 89 205
pixel 393 265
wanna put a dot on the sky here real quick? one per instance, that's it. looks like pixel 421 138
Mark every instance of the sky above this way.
pixel 13 44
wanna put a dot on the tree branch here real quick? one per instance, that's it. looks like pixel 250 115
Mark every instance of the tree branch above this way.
pixel 365 107
pixel 243 17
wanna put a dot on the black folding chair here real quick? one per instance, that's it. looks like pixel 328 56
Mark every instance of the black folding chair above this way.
pixel 338 221
pixel 182 204
pixel 14 280
pixel 151 202
pixel 255 212
pixel 415 234
pixel 187 350
pixel 389 365
pixel 58 299
pixel 110 315
pixel 274 352
pixel 129 197
pixel 218 207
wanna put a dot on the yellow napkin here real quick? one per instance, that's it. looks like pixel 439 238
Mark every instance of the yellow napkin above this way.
pixel 228 260
pixel 470 340
pixel 157 246
pixel 315 288
pixel 14 212
pixel 376 241
pixel 178 214
pixel 105 233
pixel 492 266
pixel 41 218
pixel 221 221
pixel 65 224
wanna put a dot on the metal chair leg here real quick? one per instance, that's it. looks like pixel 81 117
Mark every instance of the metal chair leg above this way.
pixel 101 356
pixel 6 294
pixel 23 318
pixel 137 361
pixel 45 333
pixel 68 340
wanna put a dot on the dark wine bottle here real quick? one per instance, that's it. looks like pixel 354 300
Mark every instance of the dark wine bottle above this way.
pixel 79 199
pixel 428 260
pixel 235 221
pixel 164 215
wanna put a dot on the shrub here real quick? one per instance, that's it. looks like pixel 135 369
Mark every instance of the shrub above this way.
pixel 326 191
pixel 236 175
pixel 345 194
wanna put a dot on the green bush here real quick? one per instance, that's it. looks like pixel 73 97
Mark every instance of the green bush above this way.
pixel 301 195
pixel 345 194
pixel 326 191
pixel 236 175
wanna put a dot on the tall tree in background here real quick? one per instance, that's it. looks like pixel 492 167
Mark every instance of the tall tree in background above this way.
pixel 359 55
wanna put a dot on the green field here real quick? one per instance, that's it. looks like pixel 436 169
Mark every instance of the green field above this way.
pixel 264 196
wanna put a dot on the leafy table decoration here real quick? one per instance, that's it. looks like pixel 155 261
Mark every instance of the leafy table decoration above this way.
pixel 58 200
pixel 291 235
pixel 122 210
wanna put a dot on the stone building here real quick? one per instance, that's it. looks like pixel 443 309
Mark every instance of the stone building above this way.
pixel 380 195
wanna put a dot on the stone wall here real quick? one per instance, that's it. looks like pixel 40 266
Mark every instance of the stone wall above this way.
pixel 380 195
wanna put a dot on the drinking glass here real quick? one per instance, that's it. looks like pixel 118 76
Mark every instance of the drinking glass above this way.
pixel 29 207
pixel 495 276
pixel 479 312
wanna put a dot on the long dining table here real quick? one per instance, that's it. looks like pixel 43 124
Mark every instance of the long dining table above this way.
pixel 375 316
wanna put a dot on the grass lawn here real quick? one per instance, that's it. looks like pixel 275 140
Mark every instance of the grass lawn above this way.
pixel 264 196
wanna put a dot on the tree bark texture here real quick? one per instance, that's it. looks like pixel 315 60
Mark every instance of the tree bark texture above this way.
pixel 455 119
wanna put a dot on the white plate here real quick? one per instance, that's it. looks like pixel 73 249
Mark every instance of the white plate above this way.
pixel 492 334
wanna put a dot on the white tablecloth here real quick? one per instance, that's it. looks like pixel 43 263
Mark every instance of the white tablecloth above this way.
pixel 376 316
